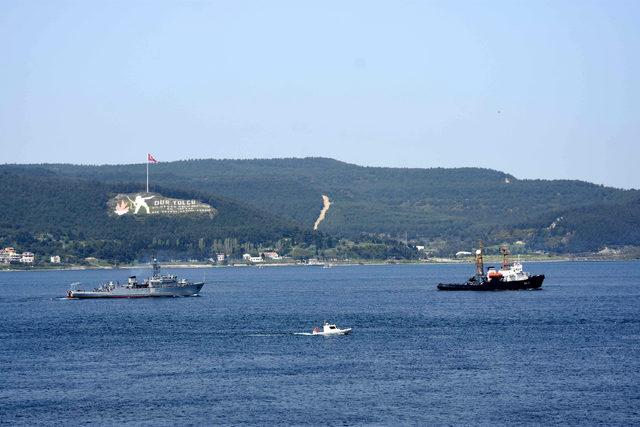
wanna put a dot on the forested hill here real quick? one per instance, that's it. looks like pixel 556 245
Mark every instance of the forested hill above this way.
pixel 49 214
pixel 447 209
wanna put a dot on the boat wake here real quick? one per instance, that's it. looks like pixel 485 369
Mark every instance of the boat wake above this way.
pixel 281 334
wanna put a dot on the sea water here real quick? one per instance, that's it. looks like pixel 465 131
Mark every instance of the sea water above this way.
pixel 566 354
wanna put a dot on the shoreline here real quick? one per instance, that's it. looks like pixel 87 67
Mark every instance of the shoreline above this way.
pixel 435 261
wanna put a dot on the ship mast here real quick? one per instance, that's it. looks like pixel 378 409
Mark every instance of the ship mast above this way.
pixel 156 268
pixel 479 261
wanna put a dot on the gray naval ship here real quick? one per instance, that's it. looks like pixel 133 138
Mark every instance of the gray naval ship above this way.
pixel 158 285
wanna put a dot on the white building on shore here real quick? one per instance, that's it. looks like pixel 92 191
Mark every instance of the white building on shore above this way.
pixel 9 255
pixel 252 259
pixel 27 258
pixel 463 254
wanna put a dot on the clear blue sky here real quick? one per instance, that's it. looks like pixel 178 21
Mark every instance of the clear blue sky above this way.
pixel 539 89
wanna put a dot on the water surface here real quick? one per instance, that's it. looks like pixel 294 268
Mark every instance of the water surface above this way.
pixel 566 354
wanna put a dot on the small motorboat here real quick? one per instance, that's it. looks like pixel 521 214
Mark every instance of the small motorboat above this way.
pixel 330 329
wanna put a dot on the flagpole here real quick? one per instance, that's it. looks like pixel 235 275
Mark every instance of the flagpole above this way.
pixel 147 175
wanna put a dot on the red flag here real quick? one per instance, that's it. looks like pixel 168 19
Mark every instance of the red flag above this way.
pixel 150 159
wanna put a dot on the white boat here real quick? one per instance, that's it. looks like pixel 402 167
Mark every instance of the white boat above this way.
pixel 330 329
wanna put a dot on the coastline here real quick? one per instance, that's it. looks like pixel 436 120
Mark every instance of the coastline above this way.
pixel 433 261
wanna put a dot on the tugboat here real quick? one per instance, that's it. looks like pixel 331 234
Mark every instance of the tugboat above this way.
pixel 330 329
pixel 158 285
pixel 510 277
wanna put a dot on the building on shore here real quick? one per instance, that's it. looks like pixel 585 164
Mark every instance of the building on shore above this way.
pixel 252 259
pixel 55 259
pixel 9 255
pixel 27 258
pixel 271 255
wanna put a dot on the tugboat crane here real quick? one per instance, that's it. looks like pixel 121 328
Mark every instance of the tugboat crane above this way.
pixel 505 257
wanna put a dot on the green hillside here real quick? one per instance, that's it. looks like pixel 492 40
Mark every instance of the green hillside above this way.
pixel 448 209
pixel 591 228
pixel 48 214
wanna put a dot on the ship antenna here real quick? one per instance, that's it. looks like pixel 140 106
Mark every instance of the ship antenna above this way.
pixel 156 267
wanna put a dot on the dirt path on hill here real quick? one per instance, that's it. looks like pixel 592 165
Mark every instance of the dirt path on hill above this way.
pixel 325 208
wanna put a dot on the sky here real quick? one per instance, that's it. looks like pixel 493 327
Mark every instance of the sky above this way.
pixel 537 89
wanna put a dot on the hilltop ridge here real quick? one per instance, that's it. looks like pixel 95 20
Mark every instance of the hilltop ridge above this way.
pixel 444 209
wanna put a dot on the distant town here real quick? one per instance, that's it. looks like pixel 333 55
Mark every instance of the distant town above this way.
pixel 10 255
pixel 11 258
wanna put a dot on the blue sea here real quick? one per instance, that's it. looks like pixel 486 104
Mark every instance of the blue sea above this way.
pixel 567 354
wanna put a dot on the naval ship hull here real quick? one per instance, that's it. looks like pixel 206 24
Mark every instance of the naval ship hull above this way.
pixel 533 282
pixel 143 292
